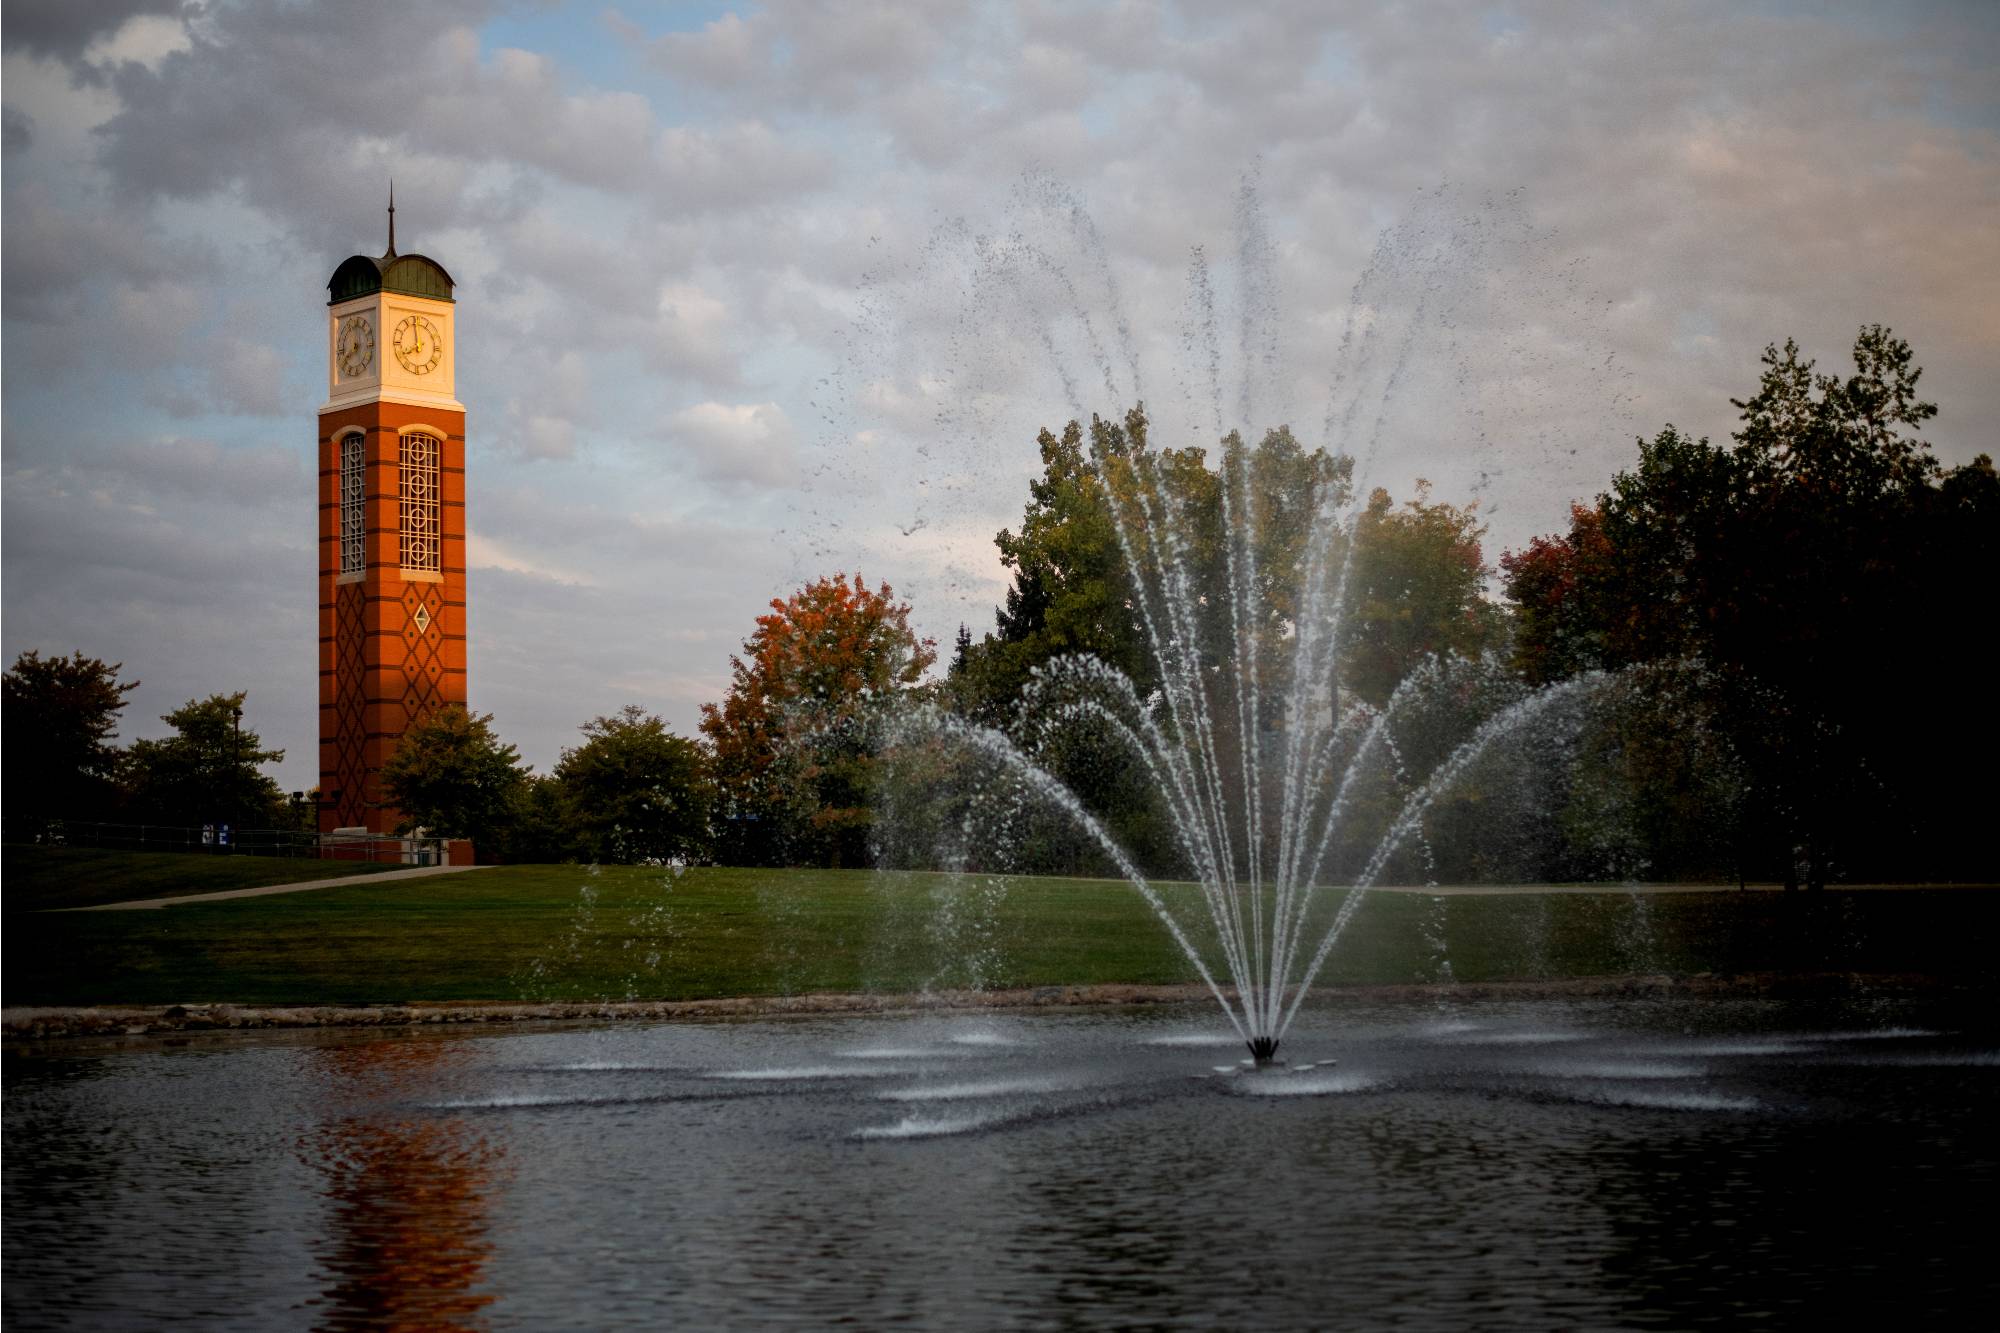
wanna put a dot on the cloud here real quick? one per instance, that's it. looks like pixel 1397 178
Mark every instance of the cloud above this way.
pixel 484 553
pixel 794 291
pixel 249 378
pixel 813 55
pixel 65 29
pixel 734 167
pixel 17 129
pixel 742 443
pixel 691 335
pixel 53 248
pixel 144 39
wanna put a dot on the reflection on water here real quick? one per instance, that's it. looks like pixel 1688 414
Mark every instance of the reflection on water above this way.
pixel 410 1198
pixel 1671 1164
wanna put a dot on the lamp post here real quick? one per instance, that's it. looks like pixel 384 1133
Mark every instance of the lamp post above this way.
pixel 236 753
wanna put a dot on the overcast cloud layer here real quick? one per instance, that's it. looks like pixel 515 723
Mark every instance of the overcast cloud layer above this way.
pixel 751 295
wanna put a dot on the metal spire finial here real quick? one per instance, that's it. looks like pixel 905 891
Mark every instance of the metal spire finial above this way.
pixel 392 219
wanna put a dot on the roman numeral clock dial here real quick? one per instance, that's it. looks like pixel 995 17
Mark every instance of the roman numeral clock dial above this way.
pixel 418 345
pixel 355 346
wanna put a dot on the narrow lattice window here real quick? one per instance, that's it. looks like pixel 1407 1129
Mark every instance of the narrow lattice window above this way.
pixel 419 525
pixel 353 505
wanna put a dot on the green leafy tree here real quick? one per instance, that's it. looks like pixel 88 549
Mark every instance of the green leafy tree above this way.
pixel 1419 589
pixel 1069 592
pixel 637 792
pixel 207 772
pixel 1109 501
pixel 453 777
pixel 540 827
pixel 793 750
pixel 1072 591
pixel 60 718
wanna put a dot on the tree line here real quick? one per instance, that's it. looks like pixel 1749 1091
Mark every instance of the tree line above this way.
pixel 61 761
pixel 1836 585
pixel 1799 613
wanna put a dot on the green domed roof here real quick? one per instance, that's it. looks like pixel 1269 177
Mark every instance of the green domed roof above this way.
pixel 416 275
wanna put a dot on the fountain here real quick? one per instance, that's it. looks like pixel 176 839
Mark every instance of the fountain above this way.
pixel 1258 790
pixel 1240 581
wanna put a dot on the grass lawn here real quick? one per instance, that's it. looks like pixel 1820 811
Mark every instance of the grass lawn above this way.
pixel 34 878
pixel 571 933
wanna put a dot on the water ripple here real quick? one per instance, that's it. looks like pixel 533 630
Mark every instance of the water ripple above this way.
pixel 928 1127
pixel 1302 1085
pixel 999 1087
pixel 803 1073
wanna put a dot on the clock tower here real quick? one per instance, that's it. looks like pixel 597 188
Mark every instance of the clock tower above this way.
pixel 391 524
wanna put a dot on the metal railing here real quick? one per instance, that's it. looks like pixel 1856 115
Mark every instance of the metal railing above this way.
pixel 216 840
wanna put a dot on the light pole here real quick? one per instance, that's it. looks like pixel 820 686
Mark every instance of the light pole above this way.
pixel 236 752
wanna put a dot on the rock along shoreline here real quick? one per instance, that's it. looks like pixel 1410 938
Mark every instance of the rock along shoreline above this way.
pixel 33 1024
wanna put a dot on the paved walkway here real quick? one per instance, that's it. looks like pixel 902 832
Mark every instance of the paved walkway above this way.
pixel 1503 890
pixel 338 881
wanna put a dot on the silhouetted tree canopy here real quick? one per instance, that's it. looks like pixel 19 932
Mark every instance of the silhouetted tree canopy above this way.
pixel 60 718
pixel 1838 582
pixel 207 772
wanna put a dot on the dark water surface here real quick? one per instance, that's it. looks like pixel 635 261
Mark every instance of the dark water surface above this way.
pixel 1531 1165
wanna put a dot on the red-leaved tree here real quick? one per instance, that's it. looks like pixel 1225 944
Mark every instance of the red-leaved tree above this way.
pixel 793 758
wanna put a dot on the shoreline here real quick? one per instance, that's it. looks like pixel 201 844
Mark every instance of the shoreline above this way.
pixel 27 1024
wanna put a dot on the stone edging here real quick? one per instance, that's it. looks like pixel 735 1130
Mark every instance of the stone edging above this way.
pixel 36 1024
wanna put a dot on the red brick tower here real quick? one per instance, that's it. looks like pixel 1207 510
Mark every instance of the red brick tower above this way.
pixel 391 524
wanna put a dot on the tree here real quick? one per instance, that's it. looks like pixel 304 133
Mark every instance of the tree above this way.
pixel 207 771
pixel 453 778
pixel 636 791
pixel 61 714
pixel 793 756
pixel 1550 584
pixel 1419 580
pixel 1120 530
pixel 1070 592
pixel 1634 579
pixel 540 826
pixel 1073 591
pixel 1835 580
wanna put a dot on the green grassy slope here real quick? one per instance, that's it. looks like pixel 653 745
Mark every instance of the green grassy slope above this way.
pixel 571 933
pixel 34 879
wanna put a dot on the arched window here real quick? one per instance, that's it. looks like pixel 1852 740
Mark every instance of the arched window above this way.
pixel 419 528
pixel 353 505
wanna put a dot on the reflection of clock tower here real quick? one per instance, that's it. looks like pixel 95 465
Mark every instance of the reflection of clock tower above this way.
pixel 391 524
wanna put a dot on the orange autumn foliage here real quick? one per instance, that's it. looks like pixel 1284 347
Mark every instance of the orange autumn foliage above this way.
pixel 787 751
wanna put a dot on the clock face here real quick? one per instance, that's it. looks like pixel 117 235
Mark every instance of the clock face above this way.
pixel 418 345
pixel 354 346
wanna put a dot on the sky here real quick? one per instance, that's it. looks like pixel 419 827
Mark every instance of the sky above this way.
pixel 753 294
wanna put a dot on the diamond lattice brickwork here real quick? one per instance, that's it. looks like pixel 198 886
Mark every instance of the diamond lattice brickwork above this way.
pixel 423 669
pixel 350 704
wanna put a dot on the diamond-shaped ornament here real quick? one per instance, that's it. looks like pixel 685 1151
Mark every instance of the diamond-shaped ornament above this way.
pixel 423 619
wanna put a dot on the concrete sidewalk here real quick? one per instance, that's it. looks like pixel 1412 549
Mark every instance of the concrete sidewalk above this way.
pixel 155 904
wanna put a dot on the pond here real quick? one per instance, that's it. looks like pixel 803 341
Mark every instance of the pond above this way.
pixel 1522 1164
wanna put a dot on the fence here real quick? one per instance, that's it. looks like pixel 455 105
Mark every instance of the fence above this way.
pixel 212 840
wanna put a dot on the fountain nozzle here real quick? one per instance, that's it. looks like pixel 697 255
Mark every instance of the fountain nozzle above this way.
pixel 1264 1049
